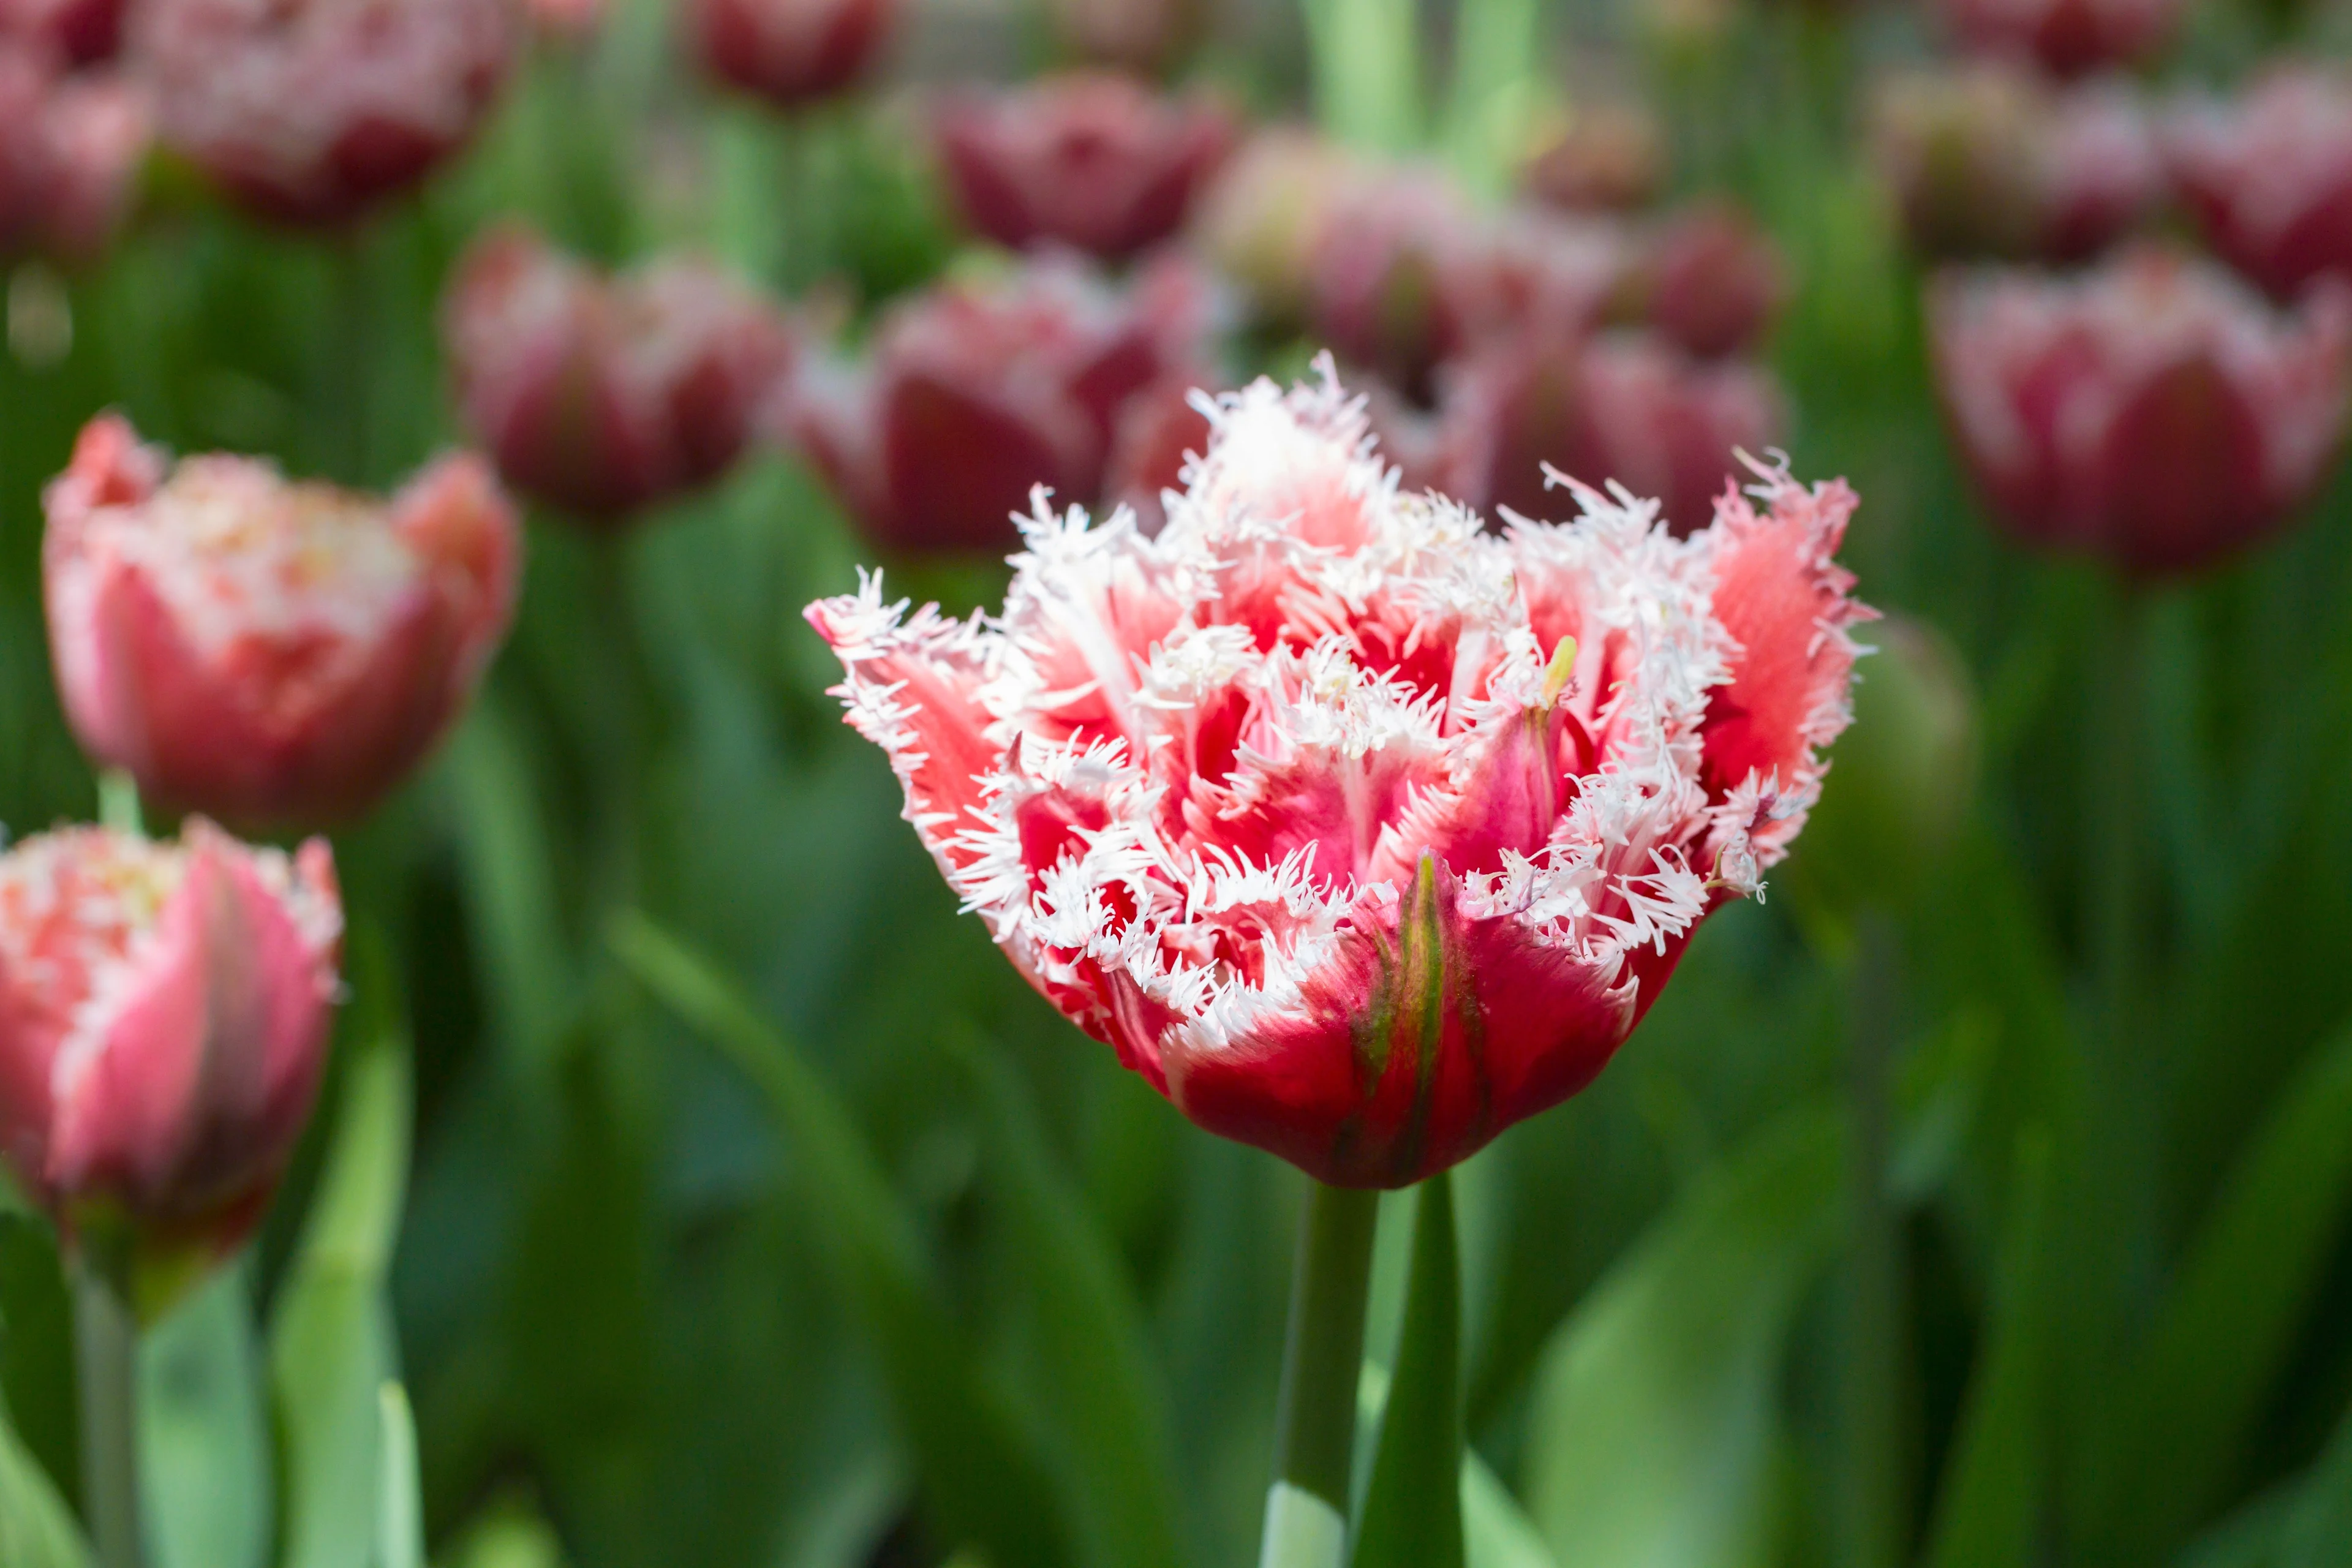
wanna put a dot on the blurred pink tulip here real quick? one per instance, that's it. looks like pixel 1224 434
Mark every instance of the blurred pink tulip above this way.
pixel 1259 220
pixel 1990 161
pixel 313 111
pixel 1092 160
pixel 1623 406
pixel 263 651
pixel 1383 247
pixel 80 32
pixel 2156 412
pixel 602 396
pixel 2068 37
pixel 164 1013
pixel 1713 279
pixel 970 396
pixel 2269 176
pixel 70 151
pixel 789 52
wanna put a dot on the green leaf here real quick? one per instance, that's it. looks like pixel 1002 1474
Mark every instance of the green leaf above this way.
pixel 981 1477
pixel 1097 1380
pixel 203 1432
pixel 37 1529
pixel 36 1348
pixel 1411 1517
pixel 1993 1489
pixel 509 881
pixel 400 1509
pixel 2307 1523
pixel 1652 1437
pixel 1496 1531
pixel 331 1344
pixel 2224 1333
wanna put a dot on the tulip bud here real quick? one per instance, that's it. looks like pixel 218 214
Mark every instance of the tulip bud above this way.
pixel 1713 279
pixel 606 395
pixel 1091 159
pixel 69 155
pixel 1259 219
pixel 1901 779
pixel 2069 37
pixel 163 1011
pixel 2155 410
pixel 264 651
pixel 311 112
pixel 789 52
pixel 1989 161
pixel 2269 178
pixel 973 395
pixel 78 32
pixel 1624 406
pixel 1605 157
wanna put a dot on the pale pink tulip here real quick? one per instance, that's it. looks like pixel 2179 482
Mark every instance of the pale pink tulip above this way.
pixel 2270 176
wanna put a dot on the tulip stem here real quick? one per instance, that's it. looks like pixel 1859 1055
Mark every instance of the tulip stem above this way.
pixel 2117 815
pixel 106 1347
pixel 118 803
pixel 1322 1361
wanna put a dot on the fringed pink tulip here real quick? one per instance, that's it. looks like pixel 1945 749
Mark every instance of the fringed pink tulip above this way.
pixel 163 1012
pixel 313 111
pixel 1622 407
pixel 1990 161
pixel 1093 160
pixel 971 397
pixel 70 148
pixel 1359 833
pixel 1713 279
pixel 2155 412
pixel 603 397
pixel 1607 157
pixel 2068 37
pixel 791 53
pixel 2270 176
pixel 262 651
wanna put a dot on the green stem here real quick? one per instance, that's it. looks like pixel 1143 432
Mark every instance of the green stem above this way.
pixel 2117 814
pixel 118 803
pixel 106 1347
pixel 1871 1505
pixel 1322 1361
pixel 1366 59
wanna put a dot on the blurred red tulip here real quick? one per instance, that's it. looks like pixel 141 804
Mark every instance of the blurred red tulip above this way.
pixel 1990 161
pixel 1605 157
pixel 602 396
pixel 164 1015
pixel 1362 836
pixel 263 651
pixel 71 150
pixel 2270 176
pixel 973 395
pixel 78 32
pixel 1623 406
pixel 1091 159
pixel 2155 411
pixel 1158 429
pixel 2067 36
pixel 313 111
pixel 789 52
pixel 1259 220
pixel 1146 35
pixel 1382 247
pixel 1713 279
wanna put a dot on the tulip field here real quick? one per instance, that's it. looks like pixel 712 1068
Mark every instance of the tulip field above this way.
pixel 1131 784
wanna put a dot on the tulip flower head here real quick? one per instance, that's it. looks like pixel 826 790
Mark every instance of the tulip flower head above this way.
pixel 1990 161
pixel 77 32
pixel 2067 37
pixel 2157 411
pixel 1713 279
pixel 2270 178
pixel 602 396
pixel 163 1012
pixel 1259 219
pixel 1092 160
pixel 264 651
pixel 313 111
pixel 71 148
pixel 789 52
pixel 1362 834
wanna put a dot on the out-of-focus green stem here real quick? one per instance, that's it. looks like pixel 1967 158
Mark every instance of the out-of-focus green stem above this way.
pixel 106 1349
pixel 1322 1360
pixel 118 803
pixel 1869 1507
pixel 1499 76
pixel 1366 55
pixel 2114 816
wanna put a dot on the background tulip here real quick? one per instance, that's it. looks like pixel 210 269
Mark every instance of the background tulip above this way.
pixel 2066 36
pixel 788 52
pixel 74 144
pixel 1606 157
pixel 267 651
pixel 1712 279
pixel 82 32
pixel 164 1013
pixel 2269 178
pixel 606 395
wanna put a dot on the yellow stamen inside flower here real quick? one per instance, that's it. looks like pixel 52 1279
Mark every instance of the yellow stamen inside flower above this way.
pixel 1556 674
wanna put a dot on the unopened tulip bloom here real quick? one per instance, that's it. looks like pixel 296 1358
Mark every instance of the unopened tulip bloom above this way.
pixel 788 52
pixel 972 395
pixel 604 395
pixel 265 651
pixel 1623 406
pixel 70 148
pixel 1092 160
pixel 1359 833
pixel 311 112
pixel 2269 178
pixel 2157 411
pixel 163 1012
pixel 1990 161
pixel 2068 37
pixel 1605 157
pixel 1712 278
